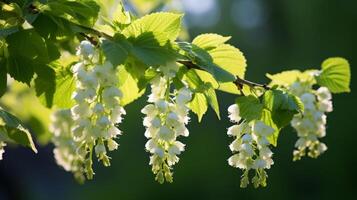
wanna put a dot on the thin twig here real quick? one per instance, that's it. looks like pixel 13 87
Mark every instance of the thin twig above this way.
pixel 239 82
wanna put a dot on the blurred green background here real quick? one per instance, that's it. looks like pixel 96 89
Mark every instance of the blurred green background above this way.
pixel 275 36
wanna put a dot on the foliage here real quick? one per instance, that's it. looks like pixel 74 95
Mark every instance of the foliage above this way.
pixel 38 43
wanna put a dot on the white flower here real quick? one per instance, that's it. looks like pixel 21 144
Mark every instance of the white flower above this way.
pixel 100 149
pixel 2 151
pixel 261 129
pixel 233 111
pixel 325 106
pixel 112 145
pixel 184 96
pixel 176 148
pixel 251 148
pixel 309 101
pixel 166 133
pixel 323 93
pixel 86 49
pixel 165 120
pixel 97 110
pixel 312 124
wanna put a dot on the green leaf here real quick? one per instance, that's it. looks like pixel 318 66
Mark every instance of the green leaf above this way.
pixel 11 18
pixel 199 105
pixel 153 49
pixel 28 44
pixel 282 107
pixel 152 37
pixel 15 130
pixel 65 86
pixel 266 117
pixel 3 76
pixel 116 50
pixel 210 40
pixel 81 12
pixel 168 24
pixel 45 84
pixel 335 75
pixel 27 50
pixel 128 84
pixel 287 78
pixel 250 107
pixel 230 59
pixel 212 100
pixel 225 56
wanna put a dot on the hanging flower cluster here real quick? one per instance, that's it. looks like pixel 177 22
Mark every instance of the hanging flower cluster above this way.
pixel 311 125
pixel 166 119
pixel 65 150
pixel 97 110
pixel 2 150
pixel 250 147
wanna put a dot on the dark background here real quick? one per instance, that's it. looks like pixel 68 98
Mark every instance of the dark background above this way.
pixel 275 36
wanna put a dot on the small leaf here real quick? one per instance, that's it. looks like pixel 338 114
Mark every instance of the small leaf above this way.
pixel 250 107
pixel 266 117
pixel 16 131
pixel 335 75
pixel 212 100
pixel 199 105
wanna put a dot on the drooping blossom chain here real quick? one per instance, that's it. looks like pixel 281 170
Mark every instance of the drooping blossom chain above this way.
pixel 250 147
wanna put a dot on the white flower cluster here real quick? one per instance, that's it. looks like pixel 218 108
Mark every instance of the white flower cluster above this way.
pixel 311 125
pixel 2 150
pixel 65 150
pixel 165 120
pixel 250 147
pixel 97 110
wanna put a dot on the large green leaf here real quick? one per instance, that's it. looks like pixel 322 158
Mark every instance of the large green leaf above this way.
pixel 65 86
pixel 28 50
pixel 230 59
pixel 116 50
pixel 210 40
pixel 250 107
pixel 168 24
pixel 81 12
pixel 129 86
pixel 11 18
pixel 224 55
pixel 279 109
pixel 3 70
pixel 45 84
pixel 335 75
pixel 152 37
pixel 153 49
pixel 12 129
pixel 287 78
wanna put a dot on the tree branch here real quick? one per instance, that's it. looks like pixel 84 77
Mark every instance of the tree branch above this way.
pixel 239 82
